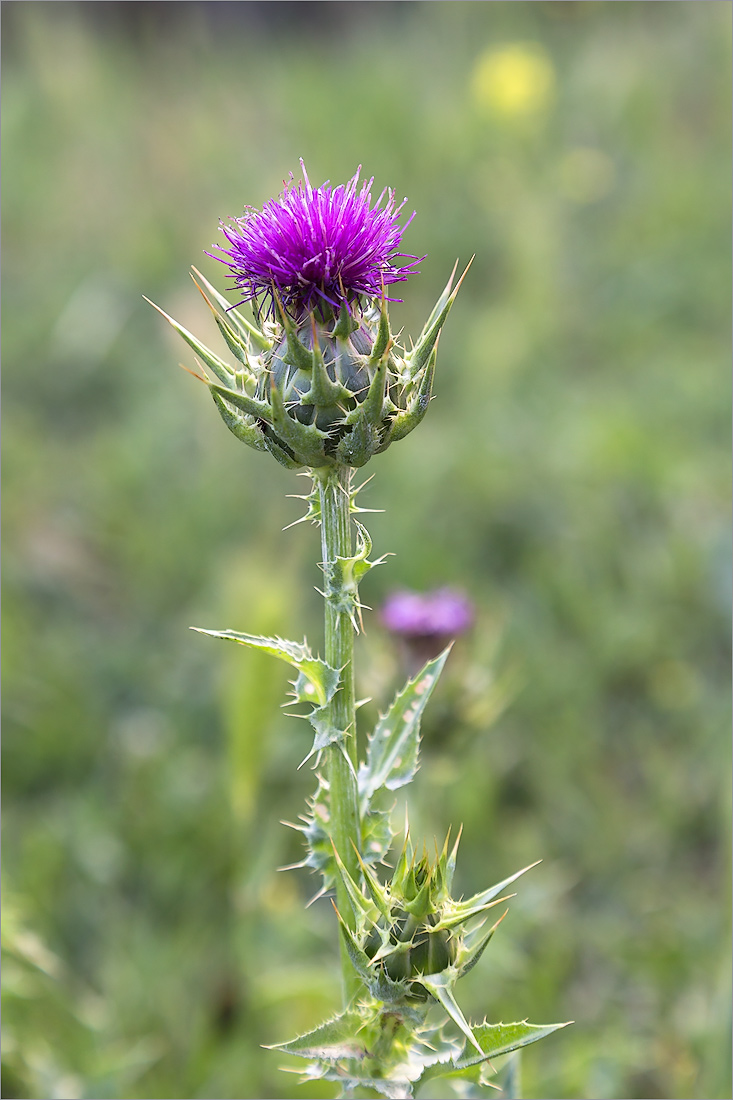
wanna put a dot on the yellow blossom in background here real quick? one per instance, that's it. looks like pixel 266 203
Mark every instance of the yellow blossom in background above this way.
pixel 514 80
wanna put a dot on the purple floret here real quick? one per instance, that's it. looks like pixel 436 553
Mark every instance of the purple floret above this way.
pixel 317 246
pixel 443 613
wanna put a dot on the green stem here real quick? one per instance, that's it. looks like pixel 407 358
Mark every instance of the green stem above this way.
pixel 336 542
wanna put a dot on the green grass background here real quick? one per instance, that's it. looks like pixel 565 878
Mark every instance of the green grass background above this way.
pixel 572 475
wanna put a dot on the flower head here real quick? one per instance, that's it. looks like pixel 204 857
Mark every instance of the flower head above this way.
pixel 320 379
pixel 317 247
pixel 443 613
pixel 424 624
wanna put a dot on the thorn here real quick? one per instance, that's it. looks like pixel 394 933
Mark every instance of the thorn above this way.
pixel 160 311
pixel 346 756
pixel 294 703
pixel 292 866
pixel 209 303
pixel 457 287
pixel 313 752
pixel 453 273
pixel 303 519
pixel 193 373
pixel 321 893
pixel 359 488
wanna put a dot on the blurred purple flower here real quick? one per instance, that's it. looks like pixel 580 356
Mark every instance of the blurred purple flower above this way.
pixel 317 246
pixel 444 613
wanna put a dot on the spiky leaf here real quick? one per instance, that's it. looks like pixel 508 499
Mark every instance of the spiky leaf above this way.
pixel 441 987
pixel 376 835
pixel 393 747
pixel 325 732
pixel 334 1039
pixel 495 1040
pixel 317 682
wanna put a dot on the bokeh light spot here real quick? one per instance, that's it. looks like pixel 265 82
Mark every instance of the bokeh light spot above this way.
pixel 515 80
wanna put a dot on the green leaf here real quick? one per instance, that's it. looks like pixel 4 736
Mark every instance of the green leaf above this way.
pixel 393 747
pixel 317 682
pixel 384 336
pixel 441 987
pixel 334 1039
pixel 360 565
pixel 344 575
pixel 376 835
pixel 391 1088
pixel 325 732
pixel 476 1074
pixel 496 1039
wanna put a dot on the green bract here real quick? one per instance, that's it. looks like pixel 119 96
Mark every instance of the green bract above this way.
pixel 329 390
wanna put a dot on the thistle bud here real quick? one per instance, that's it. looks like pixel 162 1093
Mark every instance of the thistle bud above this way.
pixel 320 380
pixel 412 940
pixel 408 939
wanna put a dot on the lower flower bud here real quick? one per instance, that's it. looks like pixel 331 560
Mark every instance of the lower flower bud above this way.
pixel 418 949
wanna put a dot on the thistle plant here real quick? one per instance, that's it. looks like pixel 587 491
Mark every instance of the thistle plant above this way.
pixel 320 382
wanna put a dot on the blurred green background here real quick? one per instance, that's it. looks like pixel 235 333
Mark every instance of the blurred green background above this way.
pixel 572 475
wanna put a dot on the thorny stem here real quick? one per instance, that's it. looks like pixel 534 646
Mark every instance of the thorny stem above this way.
pixel 341 756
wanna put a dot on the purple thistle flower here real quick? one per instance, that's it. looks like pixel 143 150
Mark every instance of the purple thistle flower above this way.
pixel 317 247
pixel 423 625
pixel 443 613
